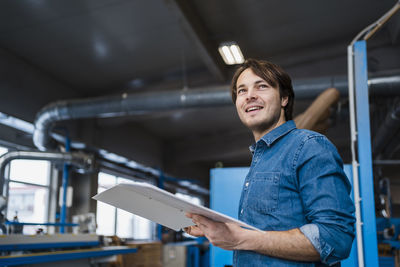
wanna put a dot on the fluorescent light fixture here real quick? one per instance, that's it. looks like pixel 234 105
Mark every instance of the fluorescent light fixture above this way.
pixel 230 53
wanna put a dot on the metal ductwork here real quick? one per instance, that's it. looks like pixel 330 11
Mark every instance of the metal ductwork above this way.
pixel 378 85
pixel 78 159
pixel 387 130
pixel 384 86
pixel 131 104
pixel 124 105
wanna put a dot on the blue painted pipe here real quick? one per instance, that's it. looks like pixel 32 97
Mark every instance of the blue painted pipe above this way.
pixel 45 224
pixel 65 187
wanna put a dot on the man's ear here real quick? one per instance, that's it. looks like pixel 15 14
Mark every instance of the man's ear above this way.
pixel 284 101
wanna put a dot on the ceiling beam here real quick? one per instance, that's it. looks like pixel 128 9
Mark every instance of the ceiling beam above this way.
pixel 192 25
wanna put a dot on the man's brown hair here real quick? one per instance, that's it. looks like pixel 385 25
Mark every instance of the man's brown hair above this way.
pixel 273 75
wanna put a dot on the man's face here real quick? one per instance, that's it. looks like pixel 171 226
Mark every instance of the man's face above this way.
pixel 258 104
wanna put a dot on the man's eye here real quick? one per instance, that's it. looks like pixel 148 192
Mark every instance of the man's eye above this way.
pixel 240 91
pixel 263 86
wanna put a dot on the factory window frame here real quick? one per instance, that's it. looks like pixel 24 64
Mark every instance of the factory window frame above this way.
pixel 27 190
pixel 191 199
pixel 3 150
pixel 113 221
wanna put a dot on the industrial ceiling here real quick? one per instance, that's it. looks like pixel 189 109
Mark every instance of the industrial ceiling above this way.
pixel 60 50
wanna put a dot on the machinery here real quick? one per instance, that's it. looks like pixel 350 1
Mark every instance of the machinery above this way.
pixel 23 249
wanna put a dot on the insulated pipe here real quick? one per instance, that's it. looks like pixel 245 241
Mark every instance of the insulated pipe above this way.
pixel 80 160
pixel 384 86
pixel 311 88
pixel 388 128
pixel 131 104
pixel 102 107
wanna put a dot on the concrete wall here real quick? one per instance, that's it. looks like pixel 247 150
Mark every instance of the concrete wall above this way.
pixel 25 89
pixel 21 83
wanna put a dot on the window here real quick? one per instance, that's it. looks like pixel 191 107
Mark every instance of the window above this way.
pixel 3 150
pixel 191 199
pixel 27 189
pixel 113 221
pixel 105 216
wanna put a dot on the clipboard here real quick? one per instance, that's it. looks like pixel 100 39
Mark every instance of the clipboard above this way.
pixel 158 205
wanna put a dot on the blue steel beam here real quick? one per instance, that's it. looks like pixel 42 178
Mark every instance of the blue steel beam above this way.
pixel 364 155
pixel 64 255
pixel 17 247
pixel 45 224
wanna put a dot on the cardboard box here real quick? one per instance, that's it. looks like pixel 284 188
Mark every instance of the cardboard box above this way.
pixel 148 254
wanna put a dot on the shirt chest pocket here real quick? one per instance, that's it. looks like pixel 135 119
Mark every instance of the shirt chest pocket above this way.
pixel 263 194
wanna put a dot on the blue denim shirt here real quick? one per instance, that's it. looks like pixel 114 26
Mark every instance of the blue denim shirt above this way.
pixel 296 180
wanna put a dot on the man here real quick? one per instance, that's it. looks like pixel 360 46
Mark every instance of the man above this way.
pixel 296 191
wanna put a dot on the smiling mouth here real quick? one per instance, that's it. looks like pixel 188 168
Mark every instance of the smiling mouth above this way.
pixel 250 109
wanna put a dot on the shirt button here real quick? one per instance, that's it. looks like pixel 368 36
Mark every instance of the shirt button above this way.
pixel 247 184
pixel 241 212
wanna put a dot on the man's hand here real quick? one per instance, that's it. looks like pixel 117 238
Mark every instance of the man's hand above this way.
pixel 291 244
pixel 228 236
pixel 193 230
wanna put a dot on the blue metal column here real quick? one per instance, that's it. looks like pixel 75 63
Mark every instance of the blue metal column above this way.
pixel 193 256
pixel 225 182
pixel 65 187
pixel 364 154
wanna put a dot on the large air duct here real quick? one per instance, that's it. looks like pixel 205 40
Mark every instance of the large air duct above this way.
pixel 124 105
pixel 131 104
pixel 77 159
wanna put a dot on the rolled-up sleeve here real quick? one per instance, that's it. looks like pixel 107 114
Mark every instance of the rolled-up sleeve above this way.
pixel 325 192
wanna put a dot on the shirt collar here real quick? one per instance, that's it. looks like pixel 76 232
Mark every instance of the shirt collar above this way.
pixel 275 134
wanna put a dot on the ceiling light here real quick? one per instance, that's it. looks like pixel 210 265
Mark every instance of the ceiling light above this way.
pixel 230 53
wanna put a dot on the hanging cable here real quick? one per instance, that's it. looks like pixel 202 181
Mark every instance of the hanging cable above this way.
pixel 374 27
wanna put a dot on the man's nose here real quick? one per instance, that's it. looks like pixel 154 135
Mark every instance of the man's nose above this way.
pixel 251 94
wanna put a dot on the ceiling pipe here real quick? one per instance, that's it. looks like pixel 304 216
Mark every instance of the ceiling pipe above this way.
pixel 387 130
pixel 132 104
pixel 385 85
pixel 124 105
pixel 78 159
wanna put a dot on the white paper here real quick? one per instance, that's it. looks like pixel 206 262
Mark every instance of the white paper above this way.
pixel 158 205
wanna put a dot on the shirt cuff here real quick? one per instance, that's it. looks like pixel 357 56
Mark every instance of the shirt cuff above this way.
pixel 311 231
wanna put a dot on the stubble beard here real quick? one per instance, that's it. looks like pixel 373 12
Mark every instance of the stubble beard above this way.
pixel 263 126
